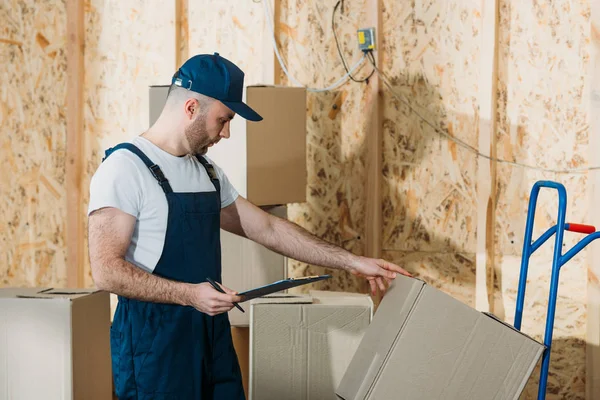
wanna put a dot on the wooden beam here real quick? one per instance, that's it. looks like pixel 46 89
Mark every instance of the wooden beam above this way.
pixel 373 183
pixel 182 39
pixel 75 137
pixel 277 71
pixel 486 170
pixel 593 286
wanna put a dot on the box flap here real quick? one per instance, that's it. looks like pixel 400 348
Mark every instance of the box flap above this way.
pixel 47 293
pixel 380 337
pixel 268 86
pixel 492 316
pixel 14 293
pixel 342 299
pixel 283 298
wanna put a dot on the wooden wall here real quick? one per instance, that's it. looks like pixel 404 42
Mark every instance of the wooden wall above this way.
pixel 435 54
pixel 120 65
pixel 543 120
pixel 32 143
pixel 336 137
pixel 430 213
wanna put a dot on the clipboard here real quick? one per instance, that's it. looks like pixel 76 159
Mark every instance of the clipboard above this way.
pixel 279 286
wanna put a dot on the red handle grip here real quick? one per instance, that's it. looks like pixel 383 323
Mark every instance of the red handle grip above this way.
pixel 581 228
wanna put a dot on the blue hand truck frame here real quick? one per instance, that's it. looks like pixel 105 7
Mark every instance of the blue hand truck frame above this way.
pixel 559 259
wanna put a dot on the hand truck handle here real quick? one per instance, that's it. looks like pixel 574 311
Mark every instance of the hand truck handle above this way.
pixel 580 228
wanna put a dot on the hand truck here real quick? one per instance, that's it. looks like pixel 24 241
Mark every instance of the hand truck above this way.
pixel 558 261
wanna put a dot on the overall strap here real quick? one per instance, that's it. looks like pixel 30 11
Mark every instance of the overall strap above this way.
pixel 154 169
pixel 212 174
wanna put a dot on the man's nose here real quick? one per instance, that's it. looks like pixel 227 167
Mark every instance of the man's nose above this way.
pixel 225 131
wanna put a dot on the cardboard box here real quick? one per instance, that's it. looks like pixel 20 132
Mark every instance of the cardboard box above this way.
pixel 276 147
pixel 247 265
pixel 300 346
pixel 265 161
pixel 54 344
pixel 425 344
pixel 241 344
pixel 157 100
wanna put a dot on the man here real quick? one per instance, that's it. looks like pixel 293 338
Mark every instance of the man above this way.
pixel 156 207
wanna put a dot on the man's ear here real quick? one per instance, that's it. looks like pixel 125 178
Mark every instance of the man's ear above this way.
pixel 191 107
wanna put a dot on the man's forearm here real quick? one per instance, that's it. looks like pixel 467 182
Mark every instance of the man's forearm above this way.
pixel 125 279
pixel 293 241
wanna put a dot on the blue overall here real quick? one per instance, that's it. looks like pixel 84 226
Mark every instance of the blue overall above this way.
pixel 167 351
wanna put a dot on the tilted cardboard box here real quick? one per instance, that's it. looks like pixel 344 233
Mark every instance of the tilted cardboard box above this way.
pixel 424 344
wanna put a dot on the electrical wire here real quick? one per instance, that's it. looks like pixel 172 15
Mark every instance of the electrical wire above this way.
pixel 339 49
pixel 335 85
pixel 467 146
pixel 401 98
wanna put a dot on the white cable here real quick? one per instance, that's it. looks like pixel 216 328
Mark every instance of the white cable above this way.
pixel 467 146
pixel 336 84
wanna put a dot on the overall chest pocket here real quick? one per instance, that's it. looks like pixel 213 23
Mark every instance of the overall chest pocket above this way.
pixel 194 238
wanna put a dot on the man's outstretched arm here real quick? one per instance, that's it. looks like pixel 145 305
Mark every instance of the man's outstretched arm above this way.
pixel 284 237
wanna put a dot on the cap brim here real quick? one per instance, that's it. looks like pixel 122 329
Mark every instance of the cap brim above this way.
pixel 243 110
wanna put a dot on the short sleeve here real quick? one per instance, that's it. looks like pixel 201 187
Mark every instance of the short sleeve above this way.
pixel 228 192
pixel 117 183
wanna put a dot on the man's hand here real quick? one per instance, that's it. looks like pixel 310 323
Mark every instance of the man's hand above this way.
pixel 377 272
pixel 204 298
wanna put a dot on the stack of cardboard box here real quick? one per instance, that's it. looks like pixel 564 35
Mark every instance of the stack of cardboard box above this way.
pixel 266 163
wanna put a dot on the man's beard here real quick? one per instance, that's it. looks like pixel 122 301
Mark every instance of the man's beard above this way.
pixel 197 136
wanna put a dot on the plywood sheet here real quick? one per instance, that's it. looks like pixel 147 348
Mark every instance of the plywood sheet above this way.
pixel 336 129
pixel 237 31
pixel 119 72
pixel 593 288
pixel 543 120
pixel 32 143
pixel 334 209
pixel 454 274
pixel 567 363
pixel 543 110
pixel 431 55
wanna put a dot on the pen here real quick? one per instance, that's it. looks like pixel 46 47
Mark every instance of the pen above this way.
pixel 218 288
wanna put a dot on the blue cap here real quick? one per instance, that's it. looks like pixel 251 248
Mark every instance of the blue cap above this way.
pixel 216 77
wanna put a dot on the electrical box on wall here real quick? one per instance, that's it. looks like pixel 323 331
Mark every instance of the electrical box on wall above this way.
pixel 366 39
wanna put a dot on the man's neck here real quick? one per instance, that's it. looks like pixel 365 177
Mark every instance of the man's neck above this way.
pixel 168 143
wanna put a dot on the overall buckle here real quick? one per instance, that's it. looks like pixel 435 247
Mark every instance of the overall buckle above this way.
pixel 158 174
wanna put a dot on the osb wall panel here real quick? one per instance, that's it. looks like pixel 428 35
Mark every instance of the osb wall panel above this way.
pixel 431 55
pixel 235 30
pixel 336 146
pixel 543 120
pixel 32 143
pixel 593 288
pixel 129 45
pixel 452 273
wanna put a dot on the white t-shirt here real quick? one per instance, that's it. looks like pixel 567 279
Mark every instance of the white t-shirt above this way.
pixel 123 181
